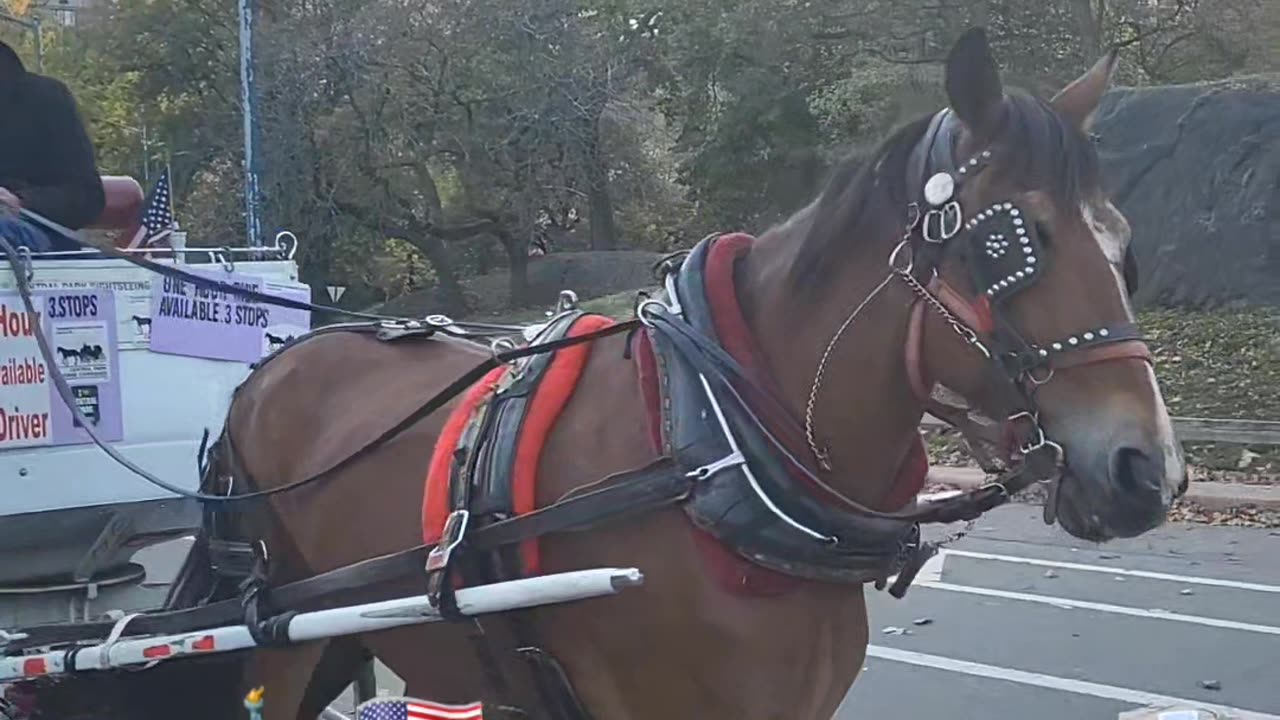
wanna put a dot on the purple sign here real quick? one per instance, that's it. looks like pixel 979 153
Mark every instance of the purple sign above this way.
pixel 192 320
pixel 80 326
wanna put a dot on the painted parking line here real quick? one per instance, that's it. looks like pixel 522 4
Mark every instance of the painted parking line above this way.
pixel 1139 698
pixel 1146 574
pixel 1070 604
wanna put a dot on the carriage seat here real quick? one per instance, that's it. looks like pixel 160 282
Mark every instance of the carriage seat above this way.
pixel 123 206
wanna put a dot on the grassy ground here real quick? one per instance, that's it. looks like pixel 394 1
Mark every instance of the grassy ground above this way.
pixel 1218 364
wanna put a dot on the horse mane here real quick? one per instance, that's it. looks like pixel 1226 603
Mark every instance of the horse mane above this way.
pixel 1036 148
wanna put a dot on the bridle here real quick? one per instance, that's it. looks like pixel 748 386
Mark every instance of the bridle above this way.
pixel 1005 256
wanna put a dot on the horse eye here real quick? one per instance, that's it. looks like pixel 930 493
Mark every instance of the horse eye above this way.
pixel 1042 232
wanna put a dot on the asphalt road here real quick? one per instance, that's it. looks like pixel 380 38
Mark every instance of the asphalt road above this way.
pixel 1020 621
pixel 1025 622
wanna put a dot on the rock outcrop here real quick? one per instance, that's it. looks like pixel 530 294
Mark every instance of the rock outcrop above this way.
pixel 1196 170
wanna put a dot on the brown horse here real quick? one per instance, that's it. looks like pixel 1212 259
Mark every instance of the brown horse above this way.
pixel 683 645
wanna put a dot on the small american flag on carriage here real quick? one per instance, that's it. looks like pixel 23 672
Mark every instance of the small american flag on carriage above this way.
pixel 157 215
pixel 410 709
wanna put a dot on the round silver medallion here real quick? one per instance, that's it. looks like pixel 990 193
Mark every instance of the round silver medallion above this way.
pixel 939 189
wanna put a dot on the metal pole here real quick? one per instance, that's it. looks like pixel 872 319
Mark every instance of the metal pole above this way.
pixel 146 157
pixel 35 26
pixel 253 226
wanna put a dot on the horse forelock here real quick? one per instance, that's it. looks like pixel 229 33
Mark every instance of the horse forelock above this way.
pixel 1038 149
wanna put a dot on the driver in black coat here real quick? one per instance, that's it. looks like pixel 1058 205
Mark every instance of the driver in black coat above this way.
pixel 47 162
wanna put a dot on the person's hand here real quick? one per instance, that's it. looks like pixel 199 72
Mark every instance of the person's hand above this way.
pixel 9 200
pixel 9 203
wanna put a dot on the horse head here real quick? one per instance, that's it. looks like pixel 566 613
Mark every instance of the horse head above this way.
pixel 1041 257
pixel 1017 272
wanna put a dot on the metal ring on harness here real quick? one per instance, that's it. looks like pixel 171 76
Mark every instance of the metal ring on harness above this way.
pixel 905 245
pixel 646 304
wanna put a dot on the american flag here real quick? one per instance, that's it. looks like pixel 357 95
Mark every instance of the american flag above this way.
pixel 410 709
pixel 157 217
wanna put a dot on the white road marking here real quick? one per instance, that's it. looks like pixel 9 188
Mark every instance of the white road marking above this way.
pixel 931 571
pixel 1052 682
pixel 1184 579
pixel 1069 604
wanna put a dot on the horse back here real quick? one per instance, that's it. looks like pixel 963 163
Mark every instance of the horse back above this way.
pixel 324 399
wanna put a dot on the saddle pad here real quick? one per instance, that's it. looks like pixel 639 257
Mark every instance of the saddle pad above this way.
pixel 548 402
pixel 404 708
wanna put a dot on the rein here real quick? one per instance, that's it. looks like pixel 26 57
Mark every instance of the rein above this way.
pixel 18 261
pixel 440 399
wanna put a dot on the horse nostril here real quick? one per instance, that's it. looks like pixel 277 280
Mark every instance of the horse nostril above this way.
pixel 1133 471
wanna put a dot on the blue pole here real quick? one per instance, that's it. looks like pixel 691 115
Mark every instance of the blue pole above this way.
pixel 251 199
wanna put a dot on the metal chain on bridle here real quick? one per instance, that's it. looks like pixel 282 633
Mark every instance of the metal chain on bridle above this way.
pixel 966 333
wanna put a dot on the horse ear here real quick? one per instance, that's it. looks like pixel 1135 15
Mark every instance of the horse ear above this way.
pixel 1078 101
pixel 973 83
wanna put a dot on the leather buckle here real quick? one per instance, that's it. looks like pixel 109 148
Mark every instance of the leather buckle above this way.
pixel 943 223
pixel 455 529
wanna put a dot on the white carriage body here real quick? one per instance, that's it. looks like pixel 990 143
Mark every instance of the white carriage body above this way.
pixel 70 517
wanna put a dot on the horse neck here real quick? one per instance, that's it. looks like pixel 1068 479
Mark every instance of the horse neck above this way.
pixel 866 415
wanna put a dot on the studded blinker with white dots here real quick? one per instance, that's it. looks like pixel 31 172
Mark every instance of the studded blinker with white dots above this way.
pixel 1008 252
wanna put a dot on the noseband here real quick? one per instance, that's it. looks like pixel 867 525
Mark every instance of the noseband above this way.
pixel 1004 256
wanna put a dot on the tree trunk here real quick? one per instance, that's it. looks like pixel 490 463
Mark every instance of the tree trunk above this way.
pixel 604 230
pixel 1088 23
pixel 446 275
pixel 517 268
pixel 981 10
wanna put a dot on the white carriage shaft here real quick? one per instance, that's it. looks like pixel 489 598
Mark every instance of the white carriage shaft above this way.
pixel 497 597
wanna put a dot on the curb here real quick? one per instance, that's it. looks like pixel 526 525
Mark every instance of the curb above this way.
pixel 1215 496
